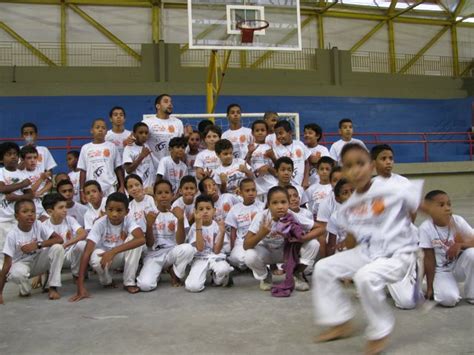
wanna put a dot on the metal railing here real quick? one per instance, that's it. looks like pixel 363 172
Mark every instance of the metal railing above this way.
pixel 78 54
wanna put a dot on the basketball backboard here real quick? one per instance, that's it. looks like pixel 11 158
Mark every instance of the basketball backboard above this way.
pixel 216 24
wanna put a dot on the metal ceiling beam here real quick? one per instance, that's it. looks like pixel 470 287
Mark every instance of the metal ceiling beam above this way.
pixel 391 47
pixel 459 8
pixel 320 20
pixel 63 34
pixel 392 6
pixel 367 36
pixel 466 70
pixel 127 3
pixel 454 50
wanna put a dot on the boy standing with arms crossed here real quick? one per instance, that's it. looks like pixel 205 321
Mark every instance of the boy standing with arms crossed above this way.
pixel 346 131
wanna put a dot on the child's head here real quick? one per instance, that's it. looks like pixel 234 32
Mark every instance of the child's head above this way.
pixel 284 168
pixel 117 116
pixel 343 190
pixel 194 141
pixel 284 132
pixel 438 206
pixel 224 151
pixel 188 188
pixel 382 155
pixel 60 177
pixel 25 213
pixel 72 157
pixel 116 207
pixel 29 155
pixel 271 119
pixel 164 105
pixel 293 198
pixel 177 148
pixel 93 192
pixel 202 125
pixel 99 129
pixel 234 112
pixel 65 189
pixel 163 192
pixel 357 166
pixel 312 134
pixel 29 132
pixel 248 190
pixel 140 132
pixel 134 186
pixel 323 168
pixel 55 205
pixel 345 129
pixel 278 202
pixel 208 186
pixel 204 207
pixel 335 175
pixel 211 135
pixel 259 131
pixel 10 154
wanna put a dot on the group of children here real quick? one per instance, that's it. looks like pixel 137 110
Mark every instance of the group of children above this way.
pixel 202 205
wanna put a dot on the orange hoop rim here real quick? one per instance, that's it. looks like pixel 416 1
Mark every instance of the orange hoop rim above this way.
pixel 264 24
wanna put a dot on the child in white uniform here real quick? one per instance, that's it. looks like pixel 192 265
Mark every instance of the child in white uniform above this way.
pixel 95 203
pixel 207 236
pixel 240 137
pixel 72 158
pixel 346 131
pixel 165 234
pixel 141 204
pixel 118 135
pixel 448 244
pixel 207 160
pixel 312 135
pixel 172 168
pixel 75 210
pixel 188 191
pixel 377 215
pixel 318 191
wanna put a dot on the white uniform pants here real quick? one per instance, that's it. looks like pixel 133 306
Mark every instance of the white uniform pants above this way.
pixel 179 256
pixel 48 259
pixel 445 287
pixel 128 260
pixel 72 257
pixel 237 257
pixel 5 227
pixel 333 306
pixel 259 257
pixel 404 292
pixel 197 276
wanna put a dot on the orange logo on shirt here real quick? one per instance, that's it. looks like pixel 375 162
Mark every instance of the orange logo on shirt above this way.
pixel 226 207
pixel 106 153
pixel 299 153
pixel 171 129
pixel 242 139
pixel 171 226
pixel 378 206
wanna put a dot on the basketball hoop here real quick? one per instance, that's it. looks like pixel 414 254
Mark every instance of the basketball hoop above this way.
pixel 248 27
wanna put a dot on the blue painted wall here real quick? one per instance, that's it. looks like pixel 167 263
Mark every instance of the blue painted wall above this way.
pixel 72 116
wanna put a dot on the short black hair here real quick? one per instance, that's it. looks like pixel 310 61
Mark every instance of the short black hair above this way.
pixel 233 105
pixel 339 185
pixel 99 119
pixel 22 202
pixel 137 125
pixel 29 125
pixel 116 108
pixel 335 169
pixel 117 197
pixel 202 125
pixel 432 194
pixel 213 128
pixel 75 153
pixel 201 188
pixel 27 149
pixel 203 198
pixel 222 145
pixel 344 120
pixel 177 142
pixel 256 122
pixel 133 176
pixel 286 125
pixel 284 160
pixel 6 146
pixel 274 190
pixel 291 187
pixel 187 179
pixel 326 160
pixel 158 98
pixel 160 182
pixel 50 200
pixel 315 128
pixel 92 183
pixel 246 181
pixel 376 150
pixel 353 146
pixel 64 182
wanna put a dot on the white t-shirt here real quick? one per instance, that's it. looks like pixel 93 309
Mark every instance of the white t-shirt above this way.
pixel 336 148
pixel 315 194
pixel 45 159
pixel 380 218
pixel 297 152
pixel 240 139
pixel 266 181
pixel 234 175
pixel 190 159
pixel 146 169
pixel 171 171
pixel 34 176
pixel 117 139
pixel 7 212
pixel 326 208
pixel 99 161
pixel 240 216
pixel 139 210
pixel 78 211
pixel 393 178
pixel 209 234
pixel 442 238
pixel 164 231
pixel 271 140
pixel 16 238
pixel 93 213
pixel 321 151
pixel 207 159
pixel 224 204
pixel 67 229
pixel 274 240
pixel 334 226
pixel 161 132
pixel 188 209
pixel 304 212
pixel 74 177
pixel 107 236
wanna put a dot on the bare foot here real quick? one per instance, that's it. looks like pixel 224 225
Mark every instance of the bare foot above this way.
pixel 340 331
pixel 111 285
pixel 374 347
pixel 36 282
pixel 131 289
pixel 175 280
pixel 53 294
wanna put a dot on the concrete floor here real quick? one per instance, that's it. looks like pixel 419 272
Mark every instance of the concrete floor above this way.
pixel 241 320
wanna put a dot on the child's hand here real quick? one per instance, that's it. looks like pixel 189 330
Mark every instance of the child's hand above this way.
pixel 243 168
pixel 30 247
pixel 188 130
pixel 81 294
pixel 252 147
pixel 145 152
pixel 270 154
pixel 224 178
pixel 178 213
pixel 208 173
pixel 45 175
pixel 262 170
pixel 107 258
pixel 38 194
pixel 198 219
pixel 129 141
pixel 26 183
pixel 453 251
pixel 266 225
pixel 150 218
pixel 314 158
pixel 221 225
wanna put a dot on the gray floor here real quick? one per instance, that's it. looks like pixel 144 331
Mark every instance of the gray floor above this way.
pixel 241 319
